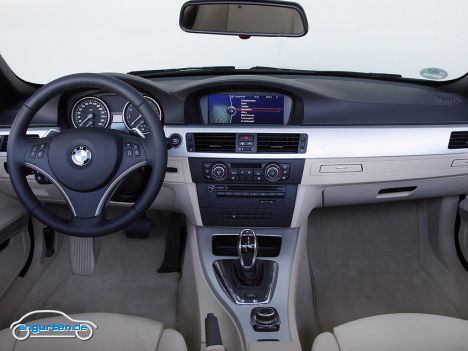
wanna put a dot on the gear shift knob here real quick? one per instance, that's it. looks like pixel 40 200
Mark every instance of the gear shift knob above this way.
pixel 247 248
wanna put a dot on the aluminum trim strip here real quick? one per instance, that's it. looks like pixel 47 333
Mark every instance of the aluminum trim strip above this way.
pixel 339 142
pixel 326 142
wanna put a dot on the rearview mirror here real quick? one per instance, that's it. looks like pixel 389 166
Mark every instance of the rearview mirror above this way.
pixel 244 18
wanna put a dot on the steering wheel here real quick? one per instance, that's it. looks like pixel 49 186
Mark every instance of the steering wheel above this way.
pixel 86 164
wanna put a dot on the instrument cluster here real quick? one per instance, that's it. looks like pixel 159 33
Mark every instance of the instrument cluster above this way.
pixel 94 112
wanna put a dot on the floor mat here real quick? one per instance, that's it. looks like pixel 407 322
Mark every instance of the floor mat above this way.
pixel 366 260
pixel 125 281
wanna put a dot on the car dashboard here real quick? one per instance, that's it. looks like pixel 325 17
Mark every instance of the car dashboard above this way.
pixel 264 150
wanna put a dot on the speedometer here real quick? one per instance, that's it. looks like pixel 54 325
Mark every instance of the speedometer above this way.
pixel 133 118
pixel 90 111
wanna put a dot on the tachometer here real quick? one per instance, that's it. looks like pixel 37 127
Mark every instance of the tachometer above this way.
pixel 90 111
pixel 133 118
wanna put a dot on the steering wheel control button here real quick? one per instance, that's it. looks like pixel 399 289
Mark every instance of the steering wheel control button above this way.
pixel 132 150
pixel 38 150
pixel 41 179
pixel 81 155
pixel 265 319
pixel 33 151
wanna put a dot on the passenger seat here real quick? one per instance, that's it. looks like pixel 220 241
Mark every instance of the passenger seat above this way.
pixel 397 332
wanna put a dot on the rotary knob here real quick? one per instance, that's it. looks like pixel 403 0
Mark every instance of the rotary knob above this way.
pixel 265 315
pixel 272 172
pixel 219 171
pixel 265 319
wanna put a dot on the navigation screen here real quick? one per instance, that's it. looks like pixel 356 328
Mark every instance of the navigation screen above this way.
pixel 245 109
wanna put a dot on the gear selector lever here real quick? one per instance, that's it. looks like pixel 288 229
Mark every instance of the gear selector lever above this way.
pixel 247 280
pixel 247 248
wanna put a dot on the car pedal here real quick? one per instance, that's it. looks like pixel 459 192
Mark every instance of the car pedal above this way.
pixel 175 244
pixel 49 241
pixel 140 229
pixel 83 254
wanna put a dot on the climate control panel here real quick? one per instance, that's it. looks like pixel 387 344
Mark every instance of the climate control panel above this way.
pixel 246 172
pixel 246 192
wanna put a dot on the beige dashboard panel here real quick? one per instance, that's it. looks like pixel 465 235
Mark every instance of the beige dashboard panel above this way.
pixel 381 169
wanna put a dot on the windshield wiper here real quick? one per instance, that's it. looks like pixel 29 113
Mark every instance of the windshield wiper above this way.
pixel 265 69
pixel 184 71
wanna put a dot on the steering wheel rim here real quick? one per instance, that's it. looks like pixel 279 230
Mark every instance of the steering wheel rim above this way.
pixel 152 152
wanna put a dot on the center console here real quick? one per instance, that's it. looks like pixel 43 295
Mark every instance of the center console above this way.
pixel 246 192
pixel 249 271
pixel 247 181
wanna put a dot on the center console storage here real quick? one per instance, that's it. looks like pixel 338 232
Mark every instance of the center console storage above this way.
pixel 254 192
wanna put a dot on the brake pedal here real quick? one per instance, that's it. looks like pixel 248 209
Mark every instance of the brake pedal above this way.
pixel 140 229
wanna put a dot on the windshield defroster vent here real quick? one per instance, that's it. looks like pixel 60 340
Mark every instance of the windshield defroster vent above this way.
pixel 458 140
pixel 211 142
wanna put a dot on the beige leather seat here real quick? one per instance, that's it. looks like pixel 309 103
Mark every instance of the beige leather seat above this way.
pixel 397 332
pixel 115 332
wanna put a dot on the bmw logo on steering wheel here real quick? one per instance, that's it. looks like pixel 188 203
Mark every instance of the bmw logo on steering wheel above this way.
pixel 81 155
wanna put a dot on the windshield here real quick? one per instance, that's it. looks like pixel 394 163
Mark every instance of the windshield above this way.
pixel 43 40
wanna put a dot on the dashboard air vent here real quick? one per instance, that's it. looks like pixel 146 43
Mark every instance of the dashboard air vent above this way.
pixel 458 140
pixel 4 141
pixel 214 142
pixel 279 143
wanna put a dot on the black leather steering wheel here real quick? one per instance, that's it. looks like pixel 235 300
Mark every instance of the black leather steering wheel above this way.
pixel 86 164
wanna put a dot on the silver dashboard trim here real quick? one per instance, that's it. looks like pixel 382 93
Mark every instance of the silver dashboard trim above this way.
pixel 338 142
pixel 325 142
pixel 42 132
